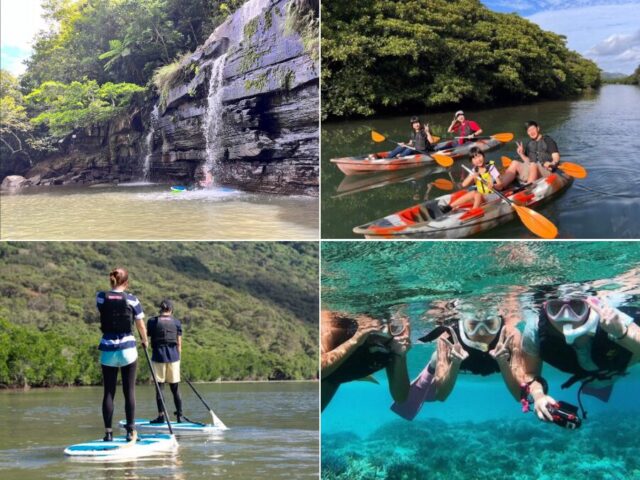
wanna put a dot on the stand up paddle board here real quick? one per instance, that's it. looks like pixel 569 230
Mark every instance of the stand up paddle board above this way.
pixel 182 428
pixel 178 189
pixel 120 448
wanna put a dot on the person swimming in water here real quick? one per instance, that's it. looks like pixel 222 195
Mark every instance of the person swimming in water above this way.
pixel 477 342
pixel 585 337
pixel 356 346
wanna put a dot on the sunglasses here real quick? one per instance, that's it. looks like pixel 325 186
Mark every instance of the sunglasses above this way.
pixel 573 310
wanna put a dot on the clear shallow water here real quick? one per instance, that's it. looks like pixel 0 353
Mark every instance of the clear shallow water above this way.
pixel 480 431
pixel 273 433
pixel 599 131
pixel 153 212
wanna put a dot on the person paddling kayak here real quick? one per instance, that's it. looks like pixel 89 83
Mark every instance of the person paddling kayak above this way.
pixel 118 312
pixel 465 130
pixel 420 140
pixel 165 332
pixel 485 175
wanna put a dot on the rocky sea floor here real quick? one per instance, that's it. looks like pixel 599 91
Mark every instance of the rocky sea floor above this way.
pixel 604 448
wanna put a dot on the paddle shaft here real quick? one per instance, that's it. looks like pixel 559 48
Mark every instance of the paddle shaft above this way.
pixel 213 415
pixel 155 381
pixel 500 194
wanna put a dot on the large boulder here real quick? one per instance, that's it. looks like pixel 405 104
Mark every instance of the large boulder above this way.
pixel 14 183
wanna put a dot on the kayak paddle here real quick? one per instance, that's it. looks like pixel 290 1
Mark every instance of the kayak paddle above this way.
pixel 572 169
pixel 537 223
pixel 501 137
pixel 443 161
pixel 158 391
pixel 443 184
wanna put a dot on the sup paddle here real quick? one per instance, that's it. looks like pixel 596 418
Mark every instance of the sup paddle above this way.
pixel 572 169
pixel 158 391
pixel 537 223
pixel 443 161
pixel 216 421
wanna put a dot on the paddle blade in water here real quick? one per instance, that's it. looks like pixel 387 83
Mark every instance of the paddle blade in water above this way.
pixel 442 160
pixel 443 184
pixel 377 137
pixel 536 223
pixel 506 161
pixel 503 137
pixel 573 170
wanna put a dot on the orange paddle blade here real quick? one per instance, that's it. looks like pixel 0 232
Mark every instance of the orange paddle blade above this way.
pixel 537 223
pixel 435 139
pixel 443 184
pixel 573 170
pixel 506 161
pixel 503 137
pixel 377 137
pixel 442 160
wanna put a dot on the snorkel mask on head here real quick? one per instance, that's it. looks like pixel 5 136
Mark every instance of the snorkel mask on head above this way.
pixel 571 313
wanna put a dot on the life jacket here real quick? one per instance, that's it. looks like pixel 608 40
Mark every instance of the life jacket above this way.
pixel 420 140
pixel 463 131
pixel 367 359
pixel 610 358
pixel 165 331
pixel 486 176
pixel 538 151
pixel 116 315
pixel 478 362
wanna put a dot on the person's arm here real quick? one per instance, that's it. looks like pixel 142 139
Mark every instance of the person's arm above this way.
pixel 450 356
pixel 533 369
pixel 552 147
pixel 477 131
pixel 453 127
pixel 613 322
pixel 142 330
pixel 397 373
pixel 509 359
pixel 427 131
pixel 179 338
pixel 468 180
pixel 521 152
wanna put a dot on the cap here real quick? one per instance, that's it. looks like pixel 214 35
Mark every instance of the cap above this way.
pixel 414 119
pixel 166 305
pixel 459 112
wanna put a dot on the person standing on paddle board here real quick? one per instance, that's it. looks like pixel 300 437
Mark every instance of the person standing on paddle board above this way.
pixel 119 310
pixel 165 332
pixel 540 157
pixel 420 140
pixel 355 346
pixel 465 130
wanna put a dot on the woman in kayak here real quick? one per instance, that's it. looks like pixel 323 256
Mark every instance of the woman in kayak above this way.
pixel 354 347
pixel 118 312
pixel 485 177
pixel 465 130
pixel 584 337
pixel 477 342
pixel 420 140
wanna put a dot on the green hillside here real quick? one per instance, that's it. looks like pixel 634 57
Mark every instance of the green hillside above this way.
pixel 249 309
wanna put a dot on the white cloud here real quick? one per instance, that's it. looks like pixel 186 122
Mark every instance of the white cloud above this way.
pixel 20 20
pixel 594 30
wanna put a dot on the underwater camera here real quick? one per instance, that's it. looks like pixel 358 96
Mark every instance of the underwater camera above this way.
pixel 565 415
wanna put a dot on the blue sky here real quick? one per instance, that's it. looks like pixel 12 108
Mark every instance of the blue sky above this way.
pixel 606 31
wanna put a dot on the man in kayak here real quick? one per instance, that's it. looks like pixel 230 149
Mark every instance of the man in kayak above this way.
pixel 354 347
pixel 465 130
pixel 540 156
pixel 582 336
pixel 477 342
pixel 420 140
pixel 165 332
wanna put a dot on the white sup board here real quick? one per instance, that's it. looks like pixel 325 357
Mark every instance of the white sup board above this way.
pixel 182 428
pixel 120 448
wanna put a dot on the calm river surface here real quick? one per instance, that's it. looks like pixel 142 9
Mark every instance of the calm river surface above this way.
pixel 273 433
pixel 600 131
pixel 152 212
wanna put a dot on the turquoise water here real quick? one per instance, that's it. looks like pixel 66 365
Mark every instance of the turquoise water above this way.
pixel 480 431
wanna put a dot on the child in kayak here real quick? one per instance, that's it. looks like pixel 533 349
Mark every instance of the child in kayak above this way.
pixel 485 177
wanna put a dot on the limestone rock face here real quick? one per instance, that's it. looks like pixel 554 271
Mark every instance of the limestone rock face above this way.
pixel 13 183
pixel 266 120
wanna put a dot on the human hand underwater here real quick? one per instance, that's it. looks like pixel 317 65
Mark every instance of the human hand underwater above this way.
pixel 457 354
pixel 541 405
pixel 502 351
pixel 401 344
pixel 610 321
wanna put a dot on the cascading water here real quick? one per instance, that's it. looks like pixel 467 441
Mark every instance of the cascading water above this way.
pixel 146 166
pixel 213 117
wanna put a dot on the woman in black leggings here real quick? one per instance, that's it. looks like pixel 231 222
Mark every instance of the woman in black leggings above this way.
pixel 119 310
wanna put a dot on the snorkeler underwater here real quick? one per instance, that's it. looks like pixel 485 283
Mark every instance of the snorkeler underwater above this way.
pixel 473 360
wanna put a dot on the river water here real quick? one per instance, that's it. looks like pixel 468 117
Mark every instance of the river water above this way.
pixel 600 131
pixel 153 212
pixel 273 433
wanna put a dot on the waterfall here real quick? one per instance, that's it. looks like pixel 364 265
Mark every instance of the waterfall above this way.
pixel 146 166
pixel 213 117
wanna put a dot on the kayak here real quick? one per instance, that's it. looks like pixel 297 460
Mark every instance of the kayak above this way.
pixel 119 448
pixel 380 162
pixel 178 189
pixel 182 428
pixel 427 220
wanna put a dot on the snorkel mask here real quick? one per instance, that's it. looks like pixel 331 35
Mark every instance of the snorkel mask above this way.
pixel 569 313
pixel 470 326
